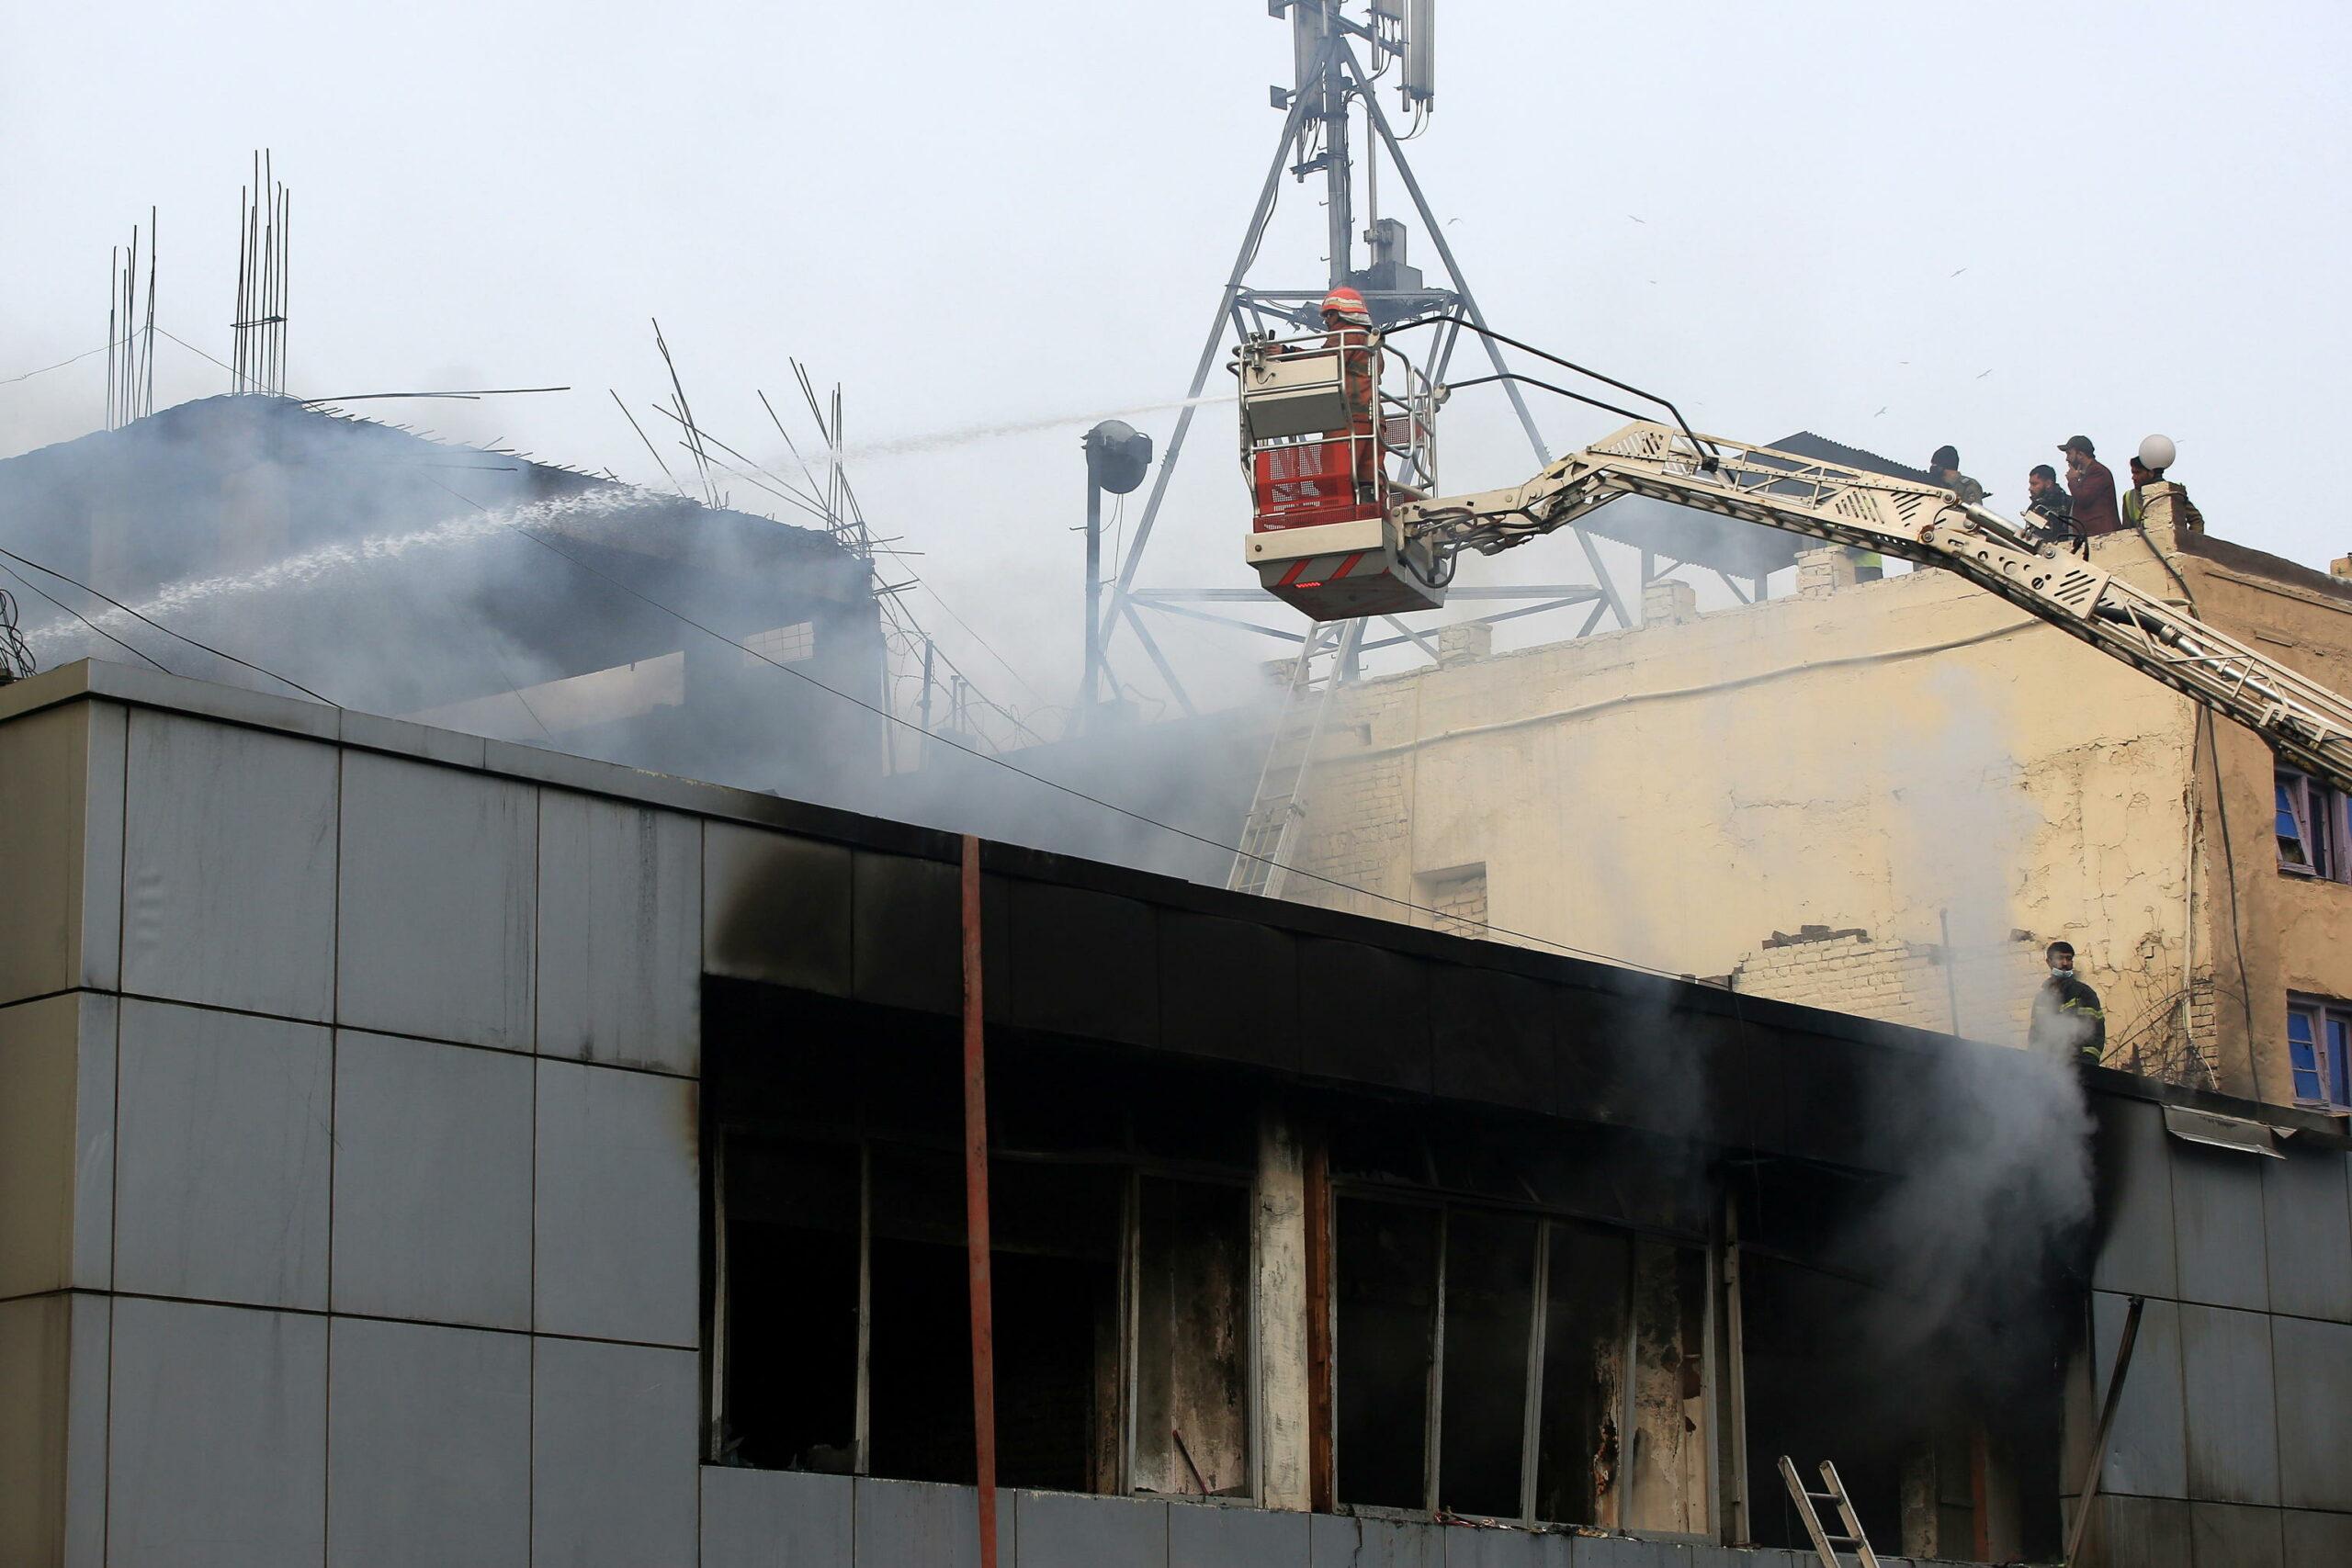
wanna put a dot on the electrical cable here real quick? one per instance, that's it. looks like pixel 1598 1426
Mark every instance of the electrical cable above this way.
pixel 16 663
pixel 138 652
pixel 167 631
pixel 2204 739
pixel 62 364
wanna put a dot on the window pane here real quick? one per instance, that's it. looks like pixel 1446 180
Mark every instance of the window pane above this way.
pixel 2339 1058
pixel 1385 1261
pixel 2319 827
pixel 1577 1447
pixel 1192 1337
pixel 1667 1467
pixel 2290 823
pixel 1482 1386
pixel 2302 1055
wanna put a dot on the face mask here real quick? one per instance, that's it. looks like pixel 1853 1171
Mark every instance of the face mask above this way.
pixel 2058 974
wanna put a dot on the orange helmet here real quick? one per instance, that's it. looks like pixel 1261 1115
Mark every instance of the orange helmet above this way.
pixel 1347 305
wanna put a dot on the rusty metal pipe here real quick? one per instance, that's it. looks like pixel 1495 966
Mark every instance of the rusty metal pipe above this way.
pixel 976 1207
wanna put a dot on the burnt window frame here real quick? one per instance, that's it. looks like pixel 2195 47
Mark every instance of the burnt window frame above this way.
pixel 1717 1356
pixel 1133 1168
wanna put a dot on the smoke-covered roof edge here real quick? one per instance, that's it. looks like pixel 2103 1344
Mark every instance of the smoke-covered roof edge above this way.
pixel 1837 1058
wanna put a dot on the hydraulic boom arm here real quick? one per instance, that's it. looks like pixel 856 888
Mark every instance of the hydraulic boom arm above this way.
pixel 2305 723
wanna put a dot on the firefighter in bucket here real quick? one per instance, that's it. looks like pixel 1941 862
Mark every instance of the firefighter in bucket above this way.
pixel 1347 325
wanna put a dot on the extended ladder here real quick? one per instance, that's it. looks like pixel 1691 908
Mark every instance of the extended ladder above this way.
pixel 1824 1542
pixel 1271 831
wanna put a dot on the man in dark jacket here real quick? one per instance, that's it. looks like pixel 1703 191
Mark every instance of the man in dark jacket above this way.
pixel 2047 502
pixel 2068 1022
pixel 2093 486
pixel 1944 469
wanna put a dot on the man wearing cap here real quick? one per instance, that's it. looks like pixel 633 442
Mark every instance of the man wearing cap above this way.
pixel 2092 486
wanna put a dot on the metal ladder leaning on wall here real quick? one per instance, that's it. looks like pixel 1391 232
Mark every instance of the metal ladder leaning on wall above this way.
pixel 1823 1542
pixel 1270 832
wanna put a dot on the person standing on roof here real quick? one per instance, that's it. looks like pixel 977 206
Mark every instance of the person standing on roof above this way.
pixel 2048 503
pixel 2068 1022
pixel 1944 469
pixel 2093 488
pixel 2153 495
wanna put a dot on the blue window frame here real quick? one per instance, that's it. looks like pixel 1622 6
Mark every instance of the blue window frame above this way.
pixel 2319 1052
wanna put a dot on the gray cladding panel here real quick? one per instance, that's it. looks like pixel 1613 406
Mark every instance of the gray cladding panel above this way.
pixel 776 908
pixel 89 1351
pixel 435 907
pixel 2223 1535
pixel 61 840
pixel 1207 1536
pixel 613 1471
pixel 2139 1532
pixel 1524 1549
pixel 432 1181
pixel 219 1437
pixel 2148 1455
pixel 57 1091
pixel 620 933
pixel 775 1519
pixel 915 1524
pixel 221 1174
pixel 1338 1540
pixel 2134 1182
pixel 2313 1366
pixel 617 1198
pixel 2232 1422
pixel 2308 1232
pixel 429 1446
pixel 1059 1529
pixel 34 1339
pixel 2316 1538
pixel 2217 1223
pixel 229 867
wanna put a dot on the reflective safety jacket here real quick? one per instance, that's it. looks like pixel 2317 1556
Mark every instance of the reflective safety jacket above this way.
pixel 2068 1020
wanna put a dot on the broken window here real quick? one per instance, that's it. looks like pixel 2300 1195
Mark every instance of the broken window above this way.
pixel 837 1280
pixel 1503 1366
pixel 1578 1439
pixel 1192 1338
pixel 1489 1310
pixel 1385 1277
pixel 843 1339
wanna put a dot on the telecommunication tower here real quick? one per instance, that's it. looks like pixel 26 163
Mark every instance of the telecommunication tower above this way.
pixel 1334 91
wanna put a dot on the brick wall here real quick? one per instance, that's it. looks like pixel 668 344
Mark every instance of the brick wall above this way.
pixel 1901 982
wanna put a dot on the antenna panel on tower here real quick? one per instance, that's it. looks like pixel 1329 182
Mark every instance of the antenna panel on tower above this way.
pixel 1420 50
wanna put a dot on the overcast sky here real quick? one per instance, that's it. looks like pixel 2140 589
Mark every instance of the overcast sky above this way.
pixel 1996 225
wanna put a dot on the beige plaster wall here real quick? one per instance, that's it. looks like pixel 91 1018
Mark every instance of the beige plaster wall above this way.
pixel 1888 757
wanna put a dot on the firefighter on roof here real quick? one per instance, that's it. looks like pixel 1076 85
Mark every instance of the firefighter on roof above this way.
pixel 2068 1021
